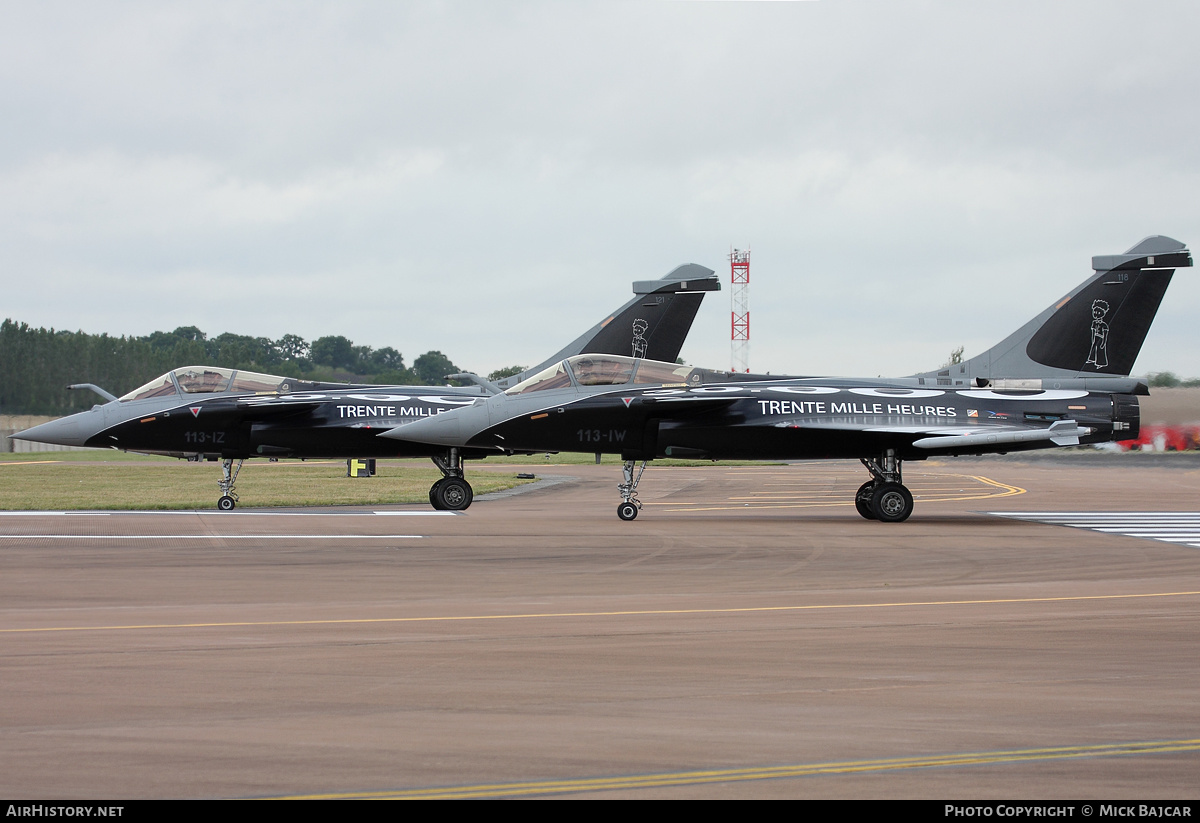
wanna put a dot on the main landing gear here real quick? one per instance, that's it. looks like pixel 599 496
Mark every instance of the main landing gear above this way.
pixel 229 474
pixel 452 492
pixel 630 505
pixel 884 497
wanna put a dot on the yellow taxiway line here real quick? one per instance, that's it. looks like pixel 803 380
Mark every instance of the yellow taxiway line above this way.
pixel 648 781
pixel 625 613
pixel 763 502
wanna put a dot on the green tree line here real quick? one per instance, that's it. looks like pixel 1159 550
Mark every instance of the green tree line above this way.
pixel 1169 380
pixel 36 365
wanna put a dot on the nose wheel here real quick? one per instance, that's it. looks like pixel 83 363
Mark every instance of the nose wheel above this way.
pixel 229 473
pixel 452 492
pixel 884 497
pixel 891 503
pixel 628 510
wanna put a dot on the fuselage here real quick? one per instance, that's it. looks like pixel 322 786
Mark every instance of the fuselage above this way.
pixel 304 425
pixel 777 419
pixel 208 413
pixel 674 411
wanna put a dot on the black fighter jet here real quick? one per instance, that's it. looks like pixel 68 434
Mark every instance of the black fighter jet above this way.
pixel 1060 380
pixel 209 413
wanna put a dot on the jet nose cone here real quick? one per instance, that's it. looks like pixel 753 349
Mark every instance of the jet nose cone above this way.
pixel 450 428
pixel 66 431
pixel 442 430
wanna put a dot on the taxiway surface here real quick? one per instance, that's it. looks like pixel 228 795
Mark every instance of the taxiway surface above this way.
pixel 748 635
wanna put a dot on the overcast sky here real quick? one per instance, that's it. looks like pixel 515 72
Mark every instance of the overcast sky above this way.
pixel 488 178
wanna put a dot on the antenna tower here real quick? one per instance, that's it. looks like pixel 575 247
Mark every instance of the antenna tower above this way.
pixel 739 299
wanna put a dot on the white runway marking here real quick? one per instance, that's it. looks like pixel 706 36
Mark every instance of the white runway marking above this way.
pixel 212 536
pixel 234 514
pixel 1169 527
pixel 55 514
pixel 214 517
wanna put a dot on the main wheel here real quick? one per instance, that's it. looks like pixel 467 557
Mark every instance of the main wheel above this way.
pixel 891 503
pixel 862 499
pixel 627 511
pixel 226 503
pixel 454 493
pixel 433 494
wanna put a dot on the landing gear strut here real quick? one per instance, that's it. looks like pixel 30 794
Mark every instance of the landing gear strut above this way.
pixel 630 504
pixel 229 473
pixel 884 498
pixel 452 492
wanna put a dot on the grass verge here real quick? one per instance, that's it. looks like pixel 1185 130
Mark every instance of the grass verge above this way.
pixel 108 479
pixel 175 484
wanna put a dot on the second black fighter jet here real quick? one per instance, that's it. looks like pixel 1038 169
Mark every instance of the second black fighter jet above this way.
pixel 1062 379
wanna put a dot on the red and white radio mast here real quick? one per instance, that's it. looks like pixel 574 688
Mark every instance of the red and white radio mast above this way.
pixel 739 299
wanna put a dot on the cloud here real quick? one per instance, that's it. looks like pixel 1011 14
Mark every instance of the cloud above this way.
pixel 487 179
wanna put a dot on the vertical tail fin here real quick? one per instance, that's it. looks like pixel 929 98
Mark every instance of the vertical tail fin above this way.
pixel 1097 330
pixel 654 324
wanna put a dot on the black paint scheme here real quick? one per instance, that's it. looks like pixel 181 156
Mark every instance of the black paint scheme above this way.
pixel 785 419
pixel 810 418
pixel 1061 379
pixel 335 423
pixel 615 405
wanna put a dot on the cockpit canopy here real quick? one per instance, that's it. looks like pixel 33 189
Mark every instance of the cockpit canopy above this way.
pixel 603 370
pixel 210 380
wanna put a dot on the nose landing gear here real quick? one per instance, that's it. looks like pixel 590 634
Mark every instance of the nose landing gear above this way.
pixel 452 492
pixel 229 472
pixel 884 498
pixel 628 510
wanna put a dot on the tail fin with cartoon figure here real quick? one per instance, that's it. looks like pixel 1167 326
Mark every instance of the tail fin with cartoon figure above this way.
pixel 1093 334
pixel 652 325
